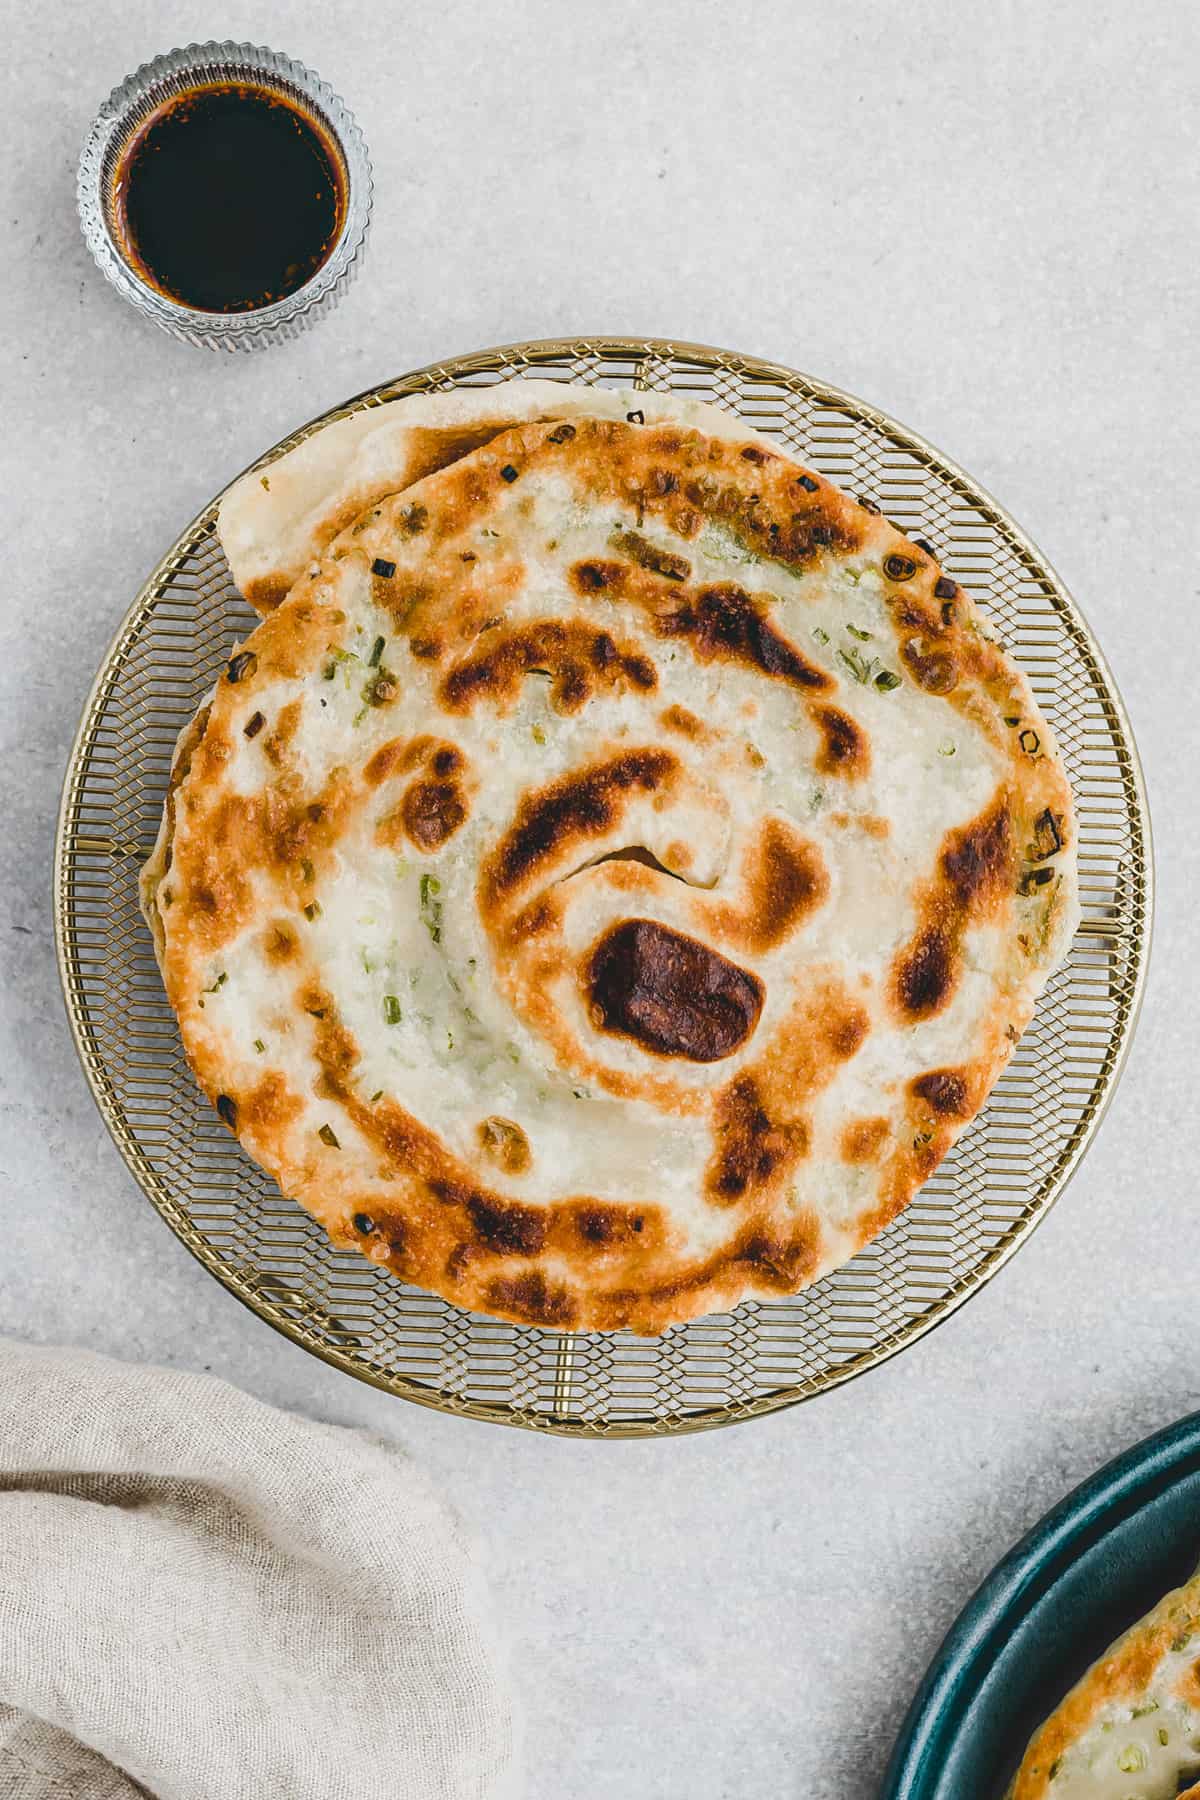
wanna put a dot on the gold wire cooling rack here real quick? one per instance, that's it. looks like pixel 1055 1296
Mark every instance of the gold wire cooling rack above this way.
pixel 981 1204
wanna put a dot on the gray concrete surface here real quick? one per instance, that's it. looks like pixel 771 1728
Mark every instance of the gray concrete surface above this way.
pixel 983 218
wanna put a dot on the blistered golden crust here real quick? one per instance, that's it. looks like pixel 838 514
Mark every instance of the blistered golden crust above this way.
pixel 1121 1678
pixel 715 1021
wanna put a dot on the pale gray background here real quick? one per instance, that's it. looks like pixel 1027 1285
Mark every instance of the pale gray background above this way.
pixel 983 218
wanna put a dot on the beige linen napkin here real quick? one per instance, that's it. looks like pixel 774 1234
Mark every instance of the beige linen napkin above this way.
pixel 202 1598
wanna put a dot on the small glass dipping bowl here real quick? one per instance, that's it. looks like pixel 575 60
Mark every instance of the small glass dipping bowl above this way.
pixel 123 115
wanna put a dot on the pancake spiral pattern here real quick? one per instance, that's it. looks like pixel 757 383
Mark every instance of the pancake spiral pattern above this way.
pixel 610 880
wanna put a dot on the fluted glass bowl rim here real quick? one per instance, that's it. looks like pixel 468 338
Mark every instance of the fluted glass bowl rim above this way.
pixel 135 96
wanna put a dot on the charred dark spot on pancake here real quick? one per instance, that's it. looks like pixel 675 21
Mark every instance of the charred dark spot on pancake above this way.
pixel 459 1261
pixel 671 994
pixel 399 756
pixel 752 454
pixel 783 1263
pixel 578 806
pixel 271 1105
pixel 924 974
pixel 593 577
pixel 335 1048
pixel 254 725
pixel 944 588
pixel 723 622
pixel 212 755
pixel 504 1143
pixel 599 1224
pixel 678 718
pixel 396 1232
pixel 786 880
pixel 282 830
pixel 571 688
pixel 280 942
pixel 945 1090
pixel 909 615
pixel 424 751
pixel 934 670
pixel 531 1298
pixel 574 655
pixel 425 649
pixel 432 812
pixel 862 1139
pixel 386 761
pixel 975 871
pixel 604 651
pixel 241 666
pixel 508 1228
pixel 276 743
pixel 845 749
pixel 649 556
pixel 749 1149
pixel 533 921
pixel 845 1031
pixel 227 1110
pixel 978 858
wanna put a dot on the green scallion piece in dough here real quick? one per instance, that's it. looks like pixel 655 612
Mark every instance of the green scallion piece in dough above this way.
pixel 860 666
pixel 431 906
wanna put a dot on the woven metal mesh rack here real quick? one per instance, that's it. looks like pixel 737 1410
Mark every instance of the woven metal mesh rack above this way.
pixel 984 1200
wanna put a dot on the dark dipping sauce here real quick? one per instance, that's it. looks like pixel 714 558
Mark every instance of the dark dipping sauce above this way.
pixel 229 198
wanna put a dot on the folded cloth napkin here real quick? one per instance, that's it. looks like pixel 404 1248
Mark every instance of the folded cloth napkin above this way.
pixel 202 1598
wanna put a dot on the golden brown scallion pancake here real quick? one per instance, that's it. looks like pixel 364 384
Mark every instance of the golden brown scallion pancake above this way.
pixel 1130 1729
pixel 608 883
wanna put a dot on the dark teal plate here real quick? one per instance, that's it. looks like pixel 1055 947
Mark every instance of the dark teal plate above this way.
pixel 1090 1569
